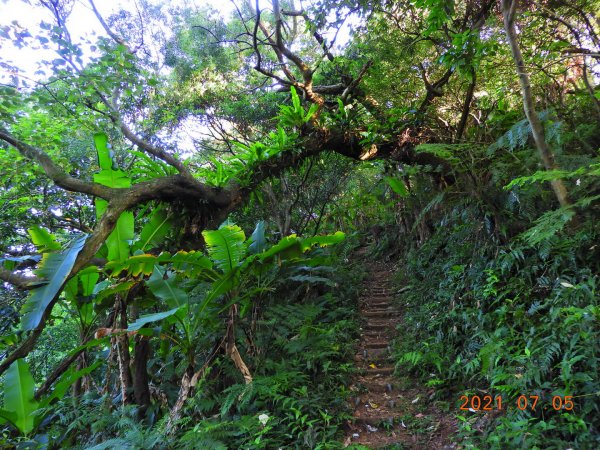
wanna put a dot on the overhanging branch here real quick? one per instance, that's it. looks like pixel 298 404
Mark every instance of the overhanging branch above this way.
pixel 54 172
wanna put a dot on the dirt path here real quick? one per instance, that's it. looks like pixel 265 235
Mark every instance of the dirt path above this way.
pixel 390 412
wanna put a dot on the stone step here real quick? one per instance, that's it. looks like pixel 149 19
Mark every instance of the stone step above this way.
pixel 377 304
pixel 379 371
pixel 381 310
pixel 378 387
pixel 376 345
pixel 382 334
pixel 378 307
pixel 380 314
pixel 371 326
pixel 371 355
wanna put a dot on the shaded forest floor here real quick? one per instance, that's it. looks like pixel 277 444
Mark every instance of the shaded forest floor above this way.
pixel 389 411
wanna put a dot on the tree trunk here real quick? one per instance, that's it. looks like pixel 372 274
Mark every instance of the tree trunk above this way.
pixel 466 106
pixel 537 129
pixel 123 355
pixel 141 387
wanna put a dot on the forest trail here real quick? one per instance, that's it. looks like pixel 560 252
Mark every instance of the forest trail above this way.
pixel 390 412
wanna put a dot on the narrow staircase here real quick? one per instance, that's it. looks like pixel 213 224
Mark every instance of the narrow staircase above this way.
pixel 381 406
pixel 375 414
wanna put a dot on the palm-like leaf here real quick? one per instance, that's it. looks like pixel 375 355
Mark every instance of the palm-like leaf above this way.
pixel 56 268
pixel 225 246
pixel 18 396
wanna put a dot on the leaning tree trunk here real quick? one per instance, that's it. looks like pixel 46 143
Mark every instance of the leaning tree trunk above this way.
pixel 537 129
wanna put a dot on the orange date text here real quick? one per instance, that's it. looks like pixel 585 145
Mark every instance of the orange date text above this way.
pixel 522 402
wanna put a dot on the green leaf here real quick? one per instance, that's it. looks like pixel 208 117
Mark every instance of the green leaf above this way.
pixel 9 416
pixel 104 289
pixel 155 230
pixel 143 320
pixel 192 263
pixel 221 286
pixel 397 186
pixel 323 241
pixel 547 225
pixel 225 246
pixel 311 112
pixel 43 240
pixel 18 396
pixel 65 382
pixel 104 159
pixel 295 100
pixel 112 178
pixel 118 240
pixel 56 268
pixel 166 289
pixel 135 265
pixel 287 247
pixel 88 278
pixel 312 279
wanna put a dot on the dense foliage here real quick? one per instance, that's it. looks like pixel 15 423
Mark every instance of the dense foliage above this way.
pixel 181 198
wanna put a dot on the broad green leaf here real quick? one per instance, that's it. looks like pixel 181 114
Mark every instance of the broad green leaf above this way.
pixel 88 278
pixel 43 240
pixel 192 263
pixel 397 186
pixel 86 313
pixel 118 241
pixel 82 284
pixel 143 320
pixel 219 287
pixel 225 246
pixel 166 289
pixel 102 291
pixel 312 279
pixel 56 268
pixel 18 395
pixel 104 158
pixel 112 178
pixel 323 241
pixel 135 265
pixel 155 230
pixel 8 416
pixel 287 247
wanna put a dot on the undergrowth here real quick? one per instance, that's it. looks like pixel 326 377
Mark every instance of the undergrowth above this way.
pixel 298 343
pixel 507 319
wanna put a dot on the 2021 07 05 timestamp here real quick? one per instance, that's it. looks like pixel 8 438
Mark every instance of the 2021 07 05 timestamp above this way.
pixel 522 402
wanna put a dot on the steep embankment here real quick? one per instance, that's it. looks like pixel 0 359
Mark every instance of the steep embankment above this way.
pixel 389 411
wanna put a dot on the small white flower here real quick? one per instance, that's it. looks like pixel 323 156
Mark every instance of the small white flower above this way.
pixel 263 419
